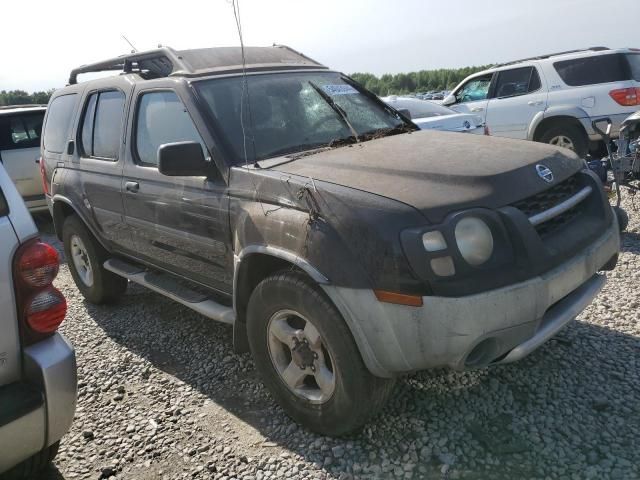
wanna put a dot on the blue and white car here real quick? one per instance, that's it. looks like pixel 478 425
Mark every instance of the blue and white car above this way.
pixel 431 116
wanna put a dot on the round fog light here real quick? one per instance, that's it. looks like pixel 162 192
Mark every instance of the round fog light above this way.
pixel 474 240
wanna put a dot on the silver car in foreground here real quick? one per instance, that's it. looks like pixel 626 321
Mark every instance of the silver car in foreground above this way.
pixel 38 380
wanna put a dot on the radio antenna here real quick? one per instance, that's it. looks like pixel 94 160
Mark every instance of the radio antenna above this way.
pixel 130 44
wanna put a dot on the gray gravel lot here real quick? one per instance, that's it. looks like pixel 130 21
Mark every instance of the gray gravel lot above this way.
pixel 162 395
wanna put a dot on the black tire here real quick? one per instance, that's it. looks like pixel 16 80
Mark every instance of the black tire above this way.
pixel 106 286
pixel 32 466
pixel 358 395
pixel 623 218
pixel 574 133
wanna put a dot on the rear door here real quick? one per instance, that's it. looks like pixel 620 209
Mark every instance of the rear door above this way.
pixel 519 95
pixel 178 223
pixel 473 96
pixel 20 150
pixel 100 142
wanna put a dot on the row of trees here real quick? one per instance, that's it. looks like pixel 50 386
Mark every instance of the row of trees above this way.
pixel 422 81
pixel 20 97
pixel 387 84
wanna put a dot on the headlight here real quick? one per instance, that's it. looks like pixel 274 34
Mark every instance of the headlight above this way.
pixel 474 240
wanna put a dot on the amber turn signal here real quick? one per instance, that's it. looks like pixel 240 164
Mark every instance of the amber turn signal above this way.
pixel 398 298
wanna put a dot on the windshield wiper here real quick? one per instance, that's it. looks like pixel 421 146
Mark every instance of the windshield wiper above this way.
pixel 372 96
pixel 337 108
pixel 386 132
pixel 312 147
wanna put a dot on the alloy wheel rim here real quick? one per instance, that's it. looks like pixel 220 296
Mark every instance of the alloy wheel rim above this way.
pixel 562 141
pixel 81 261
pixel 300 356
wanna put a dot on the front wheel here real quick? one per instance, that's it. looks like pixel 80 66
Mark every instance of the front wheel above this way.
pixel 567 136
pixel 308 359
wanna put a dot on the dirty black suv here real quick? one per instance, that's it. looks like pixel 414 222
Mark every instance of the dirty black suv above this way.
pixel 344 246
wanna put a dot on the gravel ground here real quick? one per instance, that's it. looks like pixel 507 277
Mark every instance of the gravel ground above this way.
pixel 162 396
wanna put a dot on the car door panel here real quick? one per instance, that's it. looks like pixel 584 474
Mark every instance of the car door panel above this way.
pixel 473 96
pixel 180 224
pixel 520 95
pixel 101 171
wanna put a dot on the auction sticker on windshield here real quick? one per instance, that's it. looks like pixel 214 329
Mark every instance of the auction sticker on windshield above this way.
pixel 339 89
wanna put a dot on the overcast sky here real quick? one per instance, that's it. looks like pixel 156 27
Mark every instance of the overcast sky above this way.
pixel 42 40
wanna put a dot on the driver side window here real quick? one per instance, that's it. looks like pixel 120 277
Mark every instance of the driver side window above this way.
pixel 475 89
pixel 162 118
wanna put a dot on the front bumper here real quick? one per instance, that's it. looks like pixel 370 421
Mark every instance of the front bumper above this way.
pixel 497 326
pixel 40 409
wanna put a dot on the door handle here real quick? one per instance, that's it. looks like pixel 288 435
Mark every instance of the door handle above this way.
pixel 132 187
pixel 531 103
pixel 477 109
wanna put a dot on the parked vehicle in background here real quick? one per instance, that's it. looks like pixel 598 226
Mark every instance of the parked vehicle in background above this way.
pixel 344 247
pixel 431 116
pixel 20 128
pixel 37 364
pixel 554 98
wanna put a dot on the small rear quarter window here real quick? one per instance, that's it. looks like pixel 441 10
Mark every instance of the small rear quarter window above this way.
pixel 56 130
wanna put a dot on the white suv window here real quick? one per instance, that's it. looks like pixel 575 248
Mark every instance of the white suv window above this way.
pixel 518 81
pixel 475 89
pixel 594 70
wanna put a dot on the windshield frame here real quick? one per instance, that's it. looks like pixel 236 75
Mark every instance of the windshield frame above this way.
pixel 224 144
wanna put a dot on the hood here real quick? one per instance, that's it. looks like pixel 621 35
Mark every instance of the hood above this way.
pixel 440 172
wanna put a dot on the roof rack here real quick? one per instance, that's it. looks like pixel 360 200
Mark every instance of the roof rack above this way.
pixel 548 55
pixel 161 61
pixel 165 61
pixel 26 105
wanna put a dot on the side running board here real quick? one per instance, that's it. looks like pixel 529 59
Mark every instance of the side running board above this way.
pixel 173 288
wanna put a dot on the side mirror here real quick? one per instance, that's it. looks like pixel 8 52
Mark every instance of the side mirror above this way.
pixel 449 100
pixel 181 159
pixel 405 112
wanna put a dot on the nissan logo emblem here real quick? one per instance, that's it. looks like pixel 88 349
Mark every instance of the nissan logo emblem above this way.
pixel 544 173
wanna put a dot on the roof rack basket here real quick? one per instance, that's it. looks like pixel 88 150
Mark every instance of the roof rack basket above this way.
pixel 161 62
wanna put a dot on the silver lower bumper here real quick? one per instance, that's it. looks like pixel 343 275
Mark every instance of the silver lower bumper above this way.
pixel 49 365
pixel 501 325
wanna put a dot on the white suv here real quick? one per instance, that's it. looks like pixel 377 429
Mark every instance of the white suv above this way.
pixel 20 128
pixel 554 98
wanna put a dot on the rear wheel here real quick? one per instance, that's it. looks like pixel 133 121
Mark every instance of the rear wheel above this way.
pixel 85 257
pixel 308 358
pixel 30 468
pixel 567 136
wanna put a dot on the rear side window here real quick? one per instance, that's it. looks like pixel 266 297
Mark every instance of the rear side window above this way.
pixel 102 125
pixel 20 131
pixel 162 118
pixel 594 70
pixel 634 65
pixel 59 118
pixel 518 81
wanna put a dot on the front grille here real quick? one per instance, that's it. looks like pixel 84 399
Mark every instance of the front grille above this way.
pixel 549 198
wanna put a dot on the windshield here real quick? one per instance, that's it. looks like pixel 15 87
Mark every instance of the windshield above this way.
pixel 285 113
